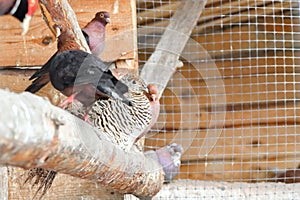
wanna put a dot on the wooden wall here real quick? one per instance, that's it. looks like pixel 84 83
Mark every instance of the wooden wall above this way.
pixel 21 56
pixel 235 111
pixel 34 49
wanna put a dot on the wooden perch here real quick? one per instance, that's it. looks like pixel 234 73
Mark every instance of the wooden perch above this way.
pixel 34 133
pixel 58 14
pixel 164 61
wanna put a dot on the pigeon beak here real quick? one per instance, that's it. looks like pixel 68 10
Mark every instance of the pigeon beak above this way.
pixel 107 20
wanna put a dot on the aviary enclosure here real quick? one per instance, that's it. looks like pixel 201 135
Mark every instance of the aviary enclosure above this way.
pixel 231 100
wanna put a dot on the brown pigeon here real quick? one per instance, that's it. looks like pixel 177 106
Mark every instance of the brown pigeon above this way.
pixel 94 32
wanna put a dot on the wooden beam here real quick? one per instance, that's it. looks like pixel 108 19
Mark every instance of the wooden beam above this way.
pixel 283 62
pixel 18 51
pixel 45 136
pixel 195 118
pixel 210 12
pixel 233 40
pixel 196 92
pixel 254 170
pixel 215 19
pixel 244 143
pixel 164 61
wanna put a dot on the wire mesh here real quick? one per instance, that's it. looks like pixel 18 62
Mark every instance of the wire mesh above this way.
pixel 235 111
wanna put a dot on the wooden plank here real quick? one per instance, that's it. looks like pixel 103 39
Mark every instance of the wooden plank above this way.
pixel 234 40
pixel 26 51
pixel 18 80
pixel 225 18
pixel 158 11
pixel 238 66
pixel 237 171
pixel 297 70
pixel 148 4
pixel 191 118
pixel 241 144
pixel 238 89
pixel 238 38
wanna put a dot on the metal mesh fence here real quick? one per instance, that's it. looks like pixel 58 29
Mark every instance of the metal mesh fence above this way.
pixel 234 103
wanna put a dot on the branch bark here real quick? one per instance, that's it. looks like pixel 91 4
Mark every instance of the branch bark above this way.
pixel 58 14
pixel 34 133
pixel 164 61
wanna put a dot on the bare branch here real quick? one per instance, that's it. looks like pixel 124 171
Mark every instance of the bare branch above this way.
pixel 59 14
pixel 164 61
pixel 34 133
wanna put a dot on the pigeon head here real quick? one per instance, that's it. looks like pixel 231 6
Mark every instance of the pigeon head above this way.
pixel 103 17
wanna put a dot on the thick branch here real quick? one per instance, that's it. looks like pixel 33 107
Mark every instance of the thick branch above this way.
pixel 59 14
pixel 34 133
pixel 164 61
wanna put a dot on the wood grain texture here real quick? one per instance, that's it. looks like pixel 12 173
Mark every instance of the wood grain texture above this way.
pixel 18 81
pixel 201 119
pixel 217 16
pixel 242 143
pixel 39 44
pixel 239 154
pixel 254 170
pixel 241 90
pixel 225 44
pixel 63 187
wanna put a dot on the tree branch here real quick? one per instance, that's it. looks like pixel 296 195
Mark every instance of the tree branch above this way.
pixel 59 14
pixel 164 61
pixel 34 133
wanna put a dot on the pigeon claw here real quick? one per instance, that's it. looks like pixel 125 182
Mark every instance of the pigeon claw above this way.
pixel 68 101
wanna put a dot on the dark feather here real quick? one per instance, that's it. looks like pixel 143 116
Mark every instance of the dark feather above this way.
pixel 74 68
pixel 86 36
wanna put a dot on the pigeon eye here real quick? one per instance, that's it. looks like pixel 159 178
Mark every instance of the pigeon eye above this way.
pixel 134 82
pixel 101 15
